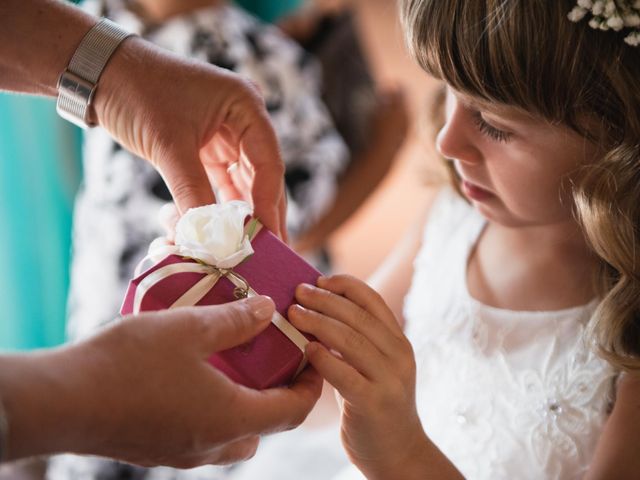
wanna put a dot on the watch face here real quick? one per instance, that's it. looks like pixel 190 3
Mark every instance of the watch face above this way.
pixel 74 96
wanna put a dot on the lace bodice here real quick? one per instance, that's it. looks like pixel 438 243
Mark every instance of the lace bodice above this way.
pixel 504 394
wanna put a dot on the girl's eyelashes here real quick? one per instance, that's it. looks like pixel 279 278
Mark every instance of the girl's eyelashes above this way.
pixel 489 130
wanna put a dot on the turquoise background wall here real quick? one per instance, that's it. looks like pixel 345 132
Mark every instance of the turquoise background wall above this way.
pixel 39 174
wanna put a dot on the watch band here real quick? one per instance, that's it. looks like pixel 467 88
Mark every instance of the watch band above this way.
pixel 78 83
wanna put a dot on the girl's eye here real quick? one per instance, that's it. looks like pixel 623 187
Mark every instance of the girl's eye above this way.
pixel 488 130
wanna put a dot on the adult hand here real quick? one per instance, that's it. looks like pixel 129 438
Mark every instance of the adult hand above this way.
pixel 199 125
pixel 189 119
pixel 142 391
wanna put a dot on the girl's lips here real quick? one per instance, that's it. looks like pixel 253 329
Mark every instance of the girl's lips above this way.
pixel 474 192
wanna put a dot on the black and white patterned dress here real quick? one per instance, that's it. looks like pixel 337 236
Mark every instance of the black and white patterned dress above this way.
pixel 116 214
pixel 116 210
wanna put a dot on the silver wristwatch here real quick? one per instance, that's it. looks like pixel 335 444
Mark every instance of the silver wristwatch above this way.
pixel 78 83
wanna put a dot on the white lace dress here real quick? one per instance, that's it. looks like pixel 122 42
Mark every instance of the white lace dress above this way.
pixel 504 394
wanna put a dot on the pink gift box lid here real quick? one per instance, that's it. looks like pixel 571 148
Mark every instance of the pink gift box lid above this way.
pixel 270 359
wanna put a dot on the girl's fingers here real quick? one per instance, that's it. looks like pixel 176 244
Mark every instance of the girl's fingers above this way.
pixel 352 345
pixel 346 311
pixel 344 378
pixel 362 295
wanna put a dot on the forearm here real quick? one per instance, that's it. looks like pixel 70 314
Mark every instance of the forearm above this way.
pixel 359 181
pixel 45 406
pixel 37 40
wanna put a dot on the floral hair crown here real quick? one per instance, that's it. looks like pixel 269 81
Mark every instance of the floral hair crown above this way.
pixel 611 15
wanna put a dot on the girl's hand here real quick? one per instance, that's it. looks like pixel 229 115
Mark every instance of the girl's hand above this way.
pixel 371 364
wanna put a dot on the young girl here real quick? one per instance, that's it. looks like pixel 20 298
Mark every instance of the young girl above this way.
pixel 516 284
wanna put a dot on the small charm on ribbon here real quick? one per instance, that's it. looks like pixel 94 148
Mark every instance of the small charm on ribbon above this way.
pixel 242 287
pixel 239 293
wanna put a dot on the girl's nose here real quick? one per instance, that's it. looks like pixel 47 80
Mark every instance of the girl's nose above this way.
pixel 455 139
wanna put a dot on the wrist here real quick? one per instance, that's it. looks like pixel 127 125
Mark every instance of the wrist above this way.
pixel 117 86
pixel 425 460
pixel 79 81
pixel 417 458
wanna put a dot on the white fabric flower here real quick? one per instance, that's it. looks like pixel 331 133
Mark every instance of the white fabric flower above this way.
pixel 577 14
pixel 633 39
pixel 610 9
pixel 214 234
pixel 598 7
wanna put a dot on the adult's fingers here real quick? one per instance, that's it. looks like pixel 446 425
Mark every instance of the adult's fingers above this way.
pixel 231 452
pixel 283 217
pixel 231 324
pixel 268 185
pixel 279 409
pixel 247 125
pixel 260 147
pixel 186 178
pixel 225 188
pixel 234 452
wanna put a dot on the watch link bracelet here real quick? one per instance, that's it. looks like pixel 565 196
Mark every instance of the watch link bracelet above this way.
pixel 77 84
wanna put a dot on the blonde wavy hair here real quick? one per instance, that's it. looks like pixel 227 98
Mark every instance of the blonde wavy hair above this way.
pixel 527 54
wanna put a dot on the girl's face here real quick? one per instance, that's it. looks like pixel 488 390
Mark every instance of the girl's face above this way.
pixel 515 169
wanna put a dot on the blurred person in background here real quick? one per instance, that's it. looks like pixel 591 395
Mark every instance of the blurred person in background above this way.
pixel 40 407
pixel 117 208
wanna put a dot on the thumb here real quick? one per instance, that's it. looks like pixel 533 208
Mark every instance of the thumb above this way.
pixel 187 180
pixel 232 324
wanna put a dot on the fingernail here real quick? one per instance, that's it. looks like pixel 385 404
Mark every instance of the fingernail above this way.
pixel 294 310
pixel 261 306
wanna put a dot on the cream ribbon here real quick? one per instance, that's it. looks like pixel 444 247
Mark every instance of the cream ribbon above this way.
pixel 212 274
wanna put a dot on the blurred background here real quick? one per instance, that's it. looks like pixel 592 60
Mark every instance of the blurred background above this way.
pixel 40 170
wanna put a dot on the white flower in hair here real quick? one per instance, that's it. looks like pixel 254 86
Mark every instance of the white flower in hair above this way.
pixel 632 20
pixel 610 15
pixel 633 39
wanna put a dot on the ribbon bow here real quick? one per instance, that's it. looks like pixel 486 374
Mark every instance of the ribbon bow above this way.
pixel 212 274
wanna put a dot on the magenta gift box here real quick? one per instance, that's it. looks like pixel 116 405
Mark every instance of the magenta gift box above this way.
pixel 270 359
